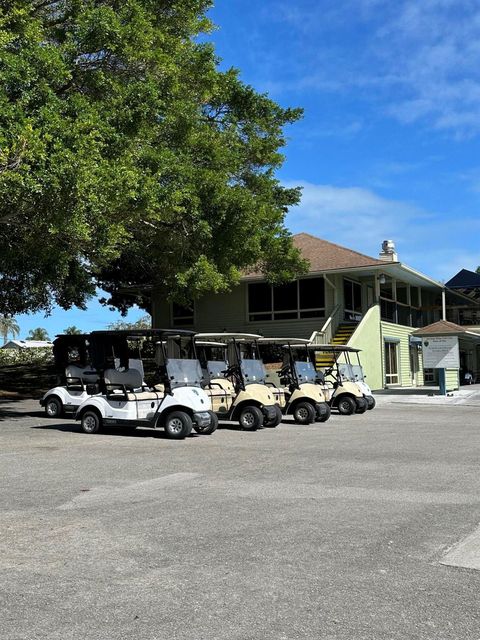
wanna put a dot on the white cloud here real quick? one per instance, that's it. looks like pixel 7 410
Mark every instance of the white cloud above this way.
pixel 361 219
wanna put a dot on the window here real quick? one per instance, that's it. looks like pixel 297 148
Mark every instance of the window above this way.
pixel 391 363
pixel 182 316
pixel 303 298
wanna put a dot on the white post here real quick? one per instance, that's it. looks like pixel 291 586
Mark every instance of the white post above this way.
pixel 444 305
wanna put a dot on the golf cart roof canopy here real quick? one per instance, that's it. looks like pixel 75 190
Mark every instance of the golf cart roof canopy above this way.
pixel 285 341
pixel 145 333
pixel 333 348
pixel 227 336
pixel 206 343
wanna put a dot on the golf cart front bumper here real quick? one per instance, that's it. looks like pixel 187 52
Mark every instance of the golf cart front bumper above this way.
pixel 202 418
pixel 269 411
pixel 361 404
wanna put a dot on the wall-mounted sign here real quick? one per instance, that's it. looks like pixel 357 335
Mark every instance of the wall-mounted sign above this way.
pixel 440 352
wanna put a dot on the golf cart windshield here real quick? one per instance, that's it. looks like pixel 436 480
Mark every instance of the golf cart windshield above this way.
pixel 305 372
pixel 253 370
pixel 345 371
pixel 216 368
pixel 183 372
pixel 357 371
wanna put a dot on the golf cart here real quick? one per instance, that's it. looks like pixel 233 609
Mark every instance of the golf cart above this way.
pixel 294 387
pixel 176 402
pixel 354 373
pixel 343 394
pixel 235 379
pixel 76 379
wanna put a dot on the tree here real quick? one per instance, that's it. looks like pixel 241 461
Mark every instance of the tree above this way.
pixel 72 331
pixel 8 325
pixel 145 322
pixel 128 158
pixel 38 334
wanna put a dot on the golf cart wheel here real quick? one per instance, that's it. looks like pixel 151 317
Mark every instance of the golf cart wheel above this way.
pixel 251 418
pixel 206 431
pixel 346 406
pixel 324 417
pixel 53 407
pixel 304 413
pixel 371 402
pixel 178 425
pixel 91 422
pixel 275 421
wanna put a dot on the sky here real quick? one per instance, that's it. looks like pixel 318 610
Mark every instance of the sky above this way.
pixel 388 147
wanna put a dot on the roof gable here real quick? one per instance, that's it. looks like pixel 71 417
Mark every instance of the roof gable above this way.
pixel 328 256
pixel 464 279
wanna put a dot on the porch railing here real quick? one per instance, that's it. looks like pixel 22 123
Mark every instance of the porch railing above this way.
pixel 327 332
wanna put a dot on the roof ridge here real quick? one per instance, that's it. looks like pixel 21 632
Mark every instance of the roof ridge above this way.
pixel 335 244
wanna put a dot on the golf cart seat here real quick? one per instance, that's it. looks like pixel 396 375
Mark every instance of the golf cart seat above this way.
pixel 84 374
pixel 221 386
pixel 131 382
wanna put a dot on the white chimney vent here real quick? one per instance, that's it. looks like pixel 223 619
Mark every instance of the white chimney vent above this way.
pixel 388 252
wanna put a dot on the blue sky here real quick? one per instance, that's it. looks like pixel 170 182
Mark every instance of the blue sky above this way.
pixel 389 144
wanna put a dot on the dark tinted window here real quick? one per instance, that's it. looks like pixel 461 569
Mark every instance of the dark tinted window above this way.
pixel 259 297
pixel 312 293
pixel 285 297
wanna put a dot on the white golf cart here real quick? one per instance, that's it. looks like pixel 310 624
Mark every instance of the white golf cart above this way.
pixel 235 379
pixel 295 383
pixel 77 380
pixel 354 373
pixel 176 403
pixel 343 394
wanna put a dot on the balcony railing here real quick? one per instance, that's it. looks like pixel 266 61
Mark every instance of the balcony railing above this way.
pixel 398 313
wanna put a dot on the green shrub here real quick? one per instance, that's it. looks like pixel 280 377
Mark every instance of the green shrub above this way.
pixel 26 356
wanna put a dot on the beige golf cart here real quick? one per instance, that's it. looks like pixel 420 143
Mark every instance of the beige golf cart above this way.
pixel 294 378
pixel 342 393
pixel 234 378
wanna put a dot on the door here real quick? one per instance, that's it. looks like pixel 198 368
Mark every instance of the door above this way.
pixel 391 363
pixel 352 296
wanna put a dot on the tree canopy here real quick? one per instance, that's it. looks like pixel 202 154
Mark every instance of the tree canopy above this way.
pixel 129 160
pixel 38 334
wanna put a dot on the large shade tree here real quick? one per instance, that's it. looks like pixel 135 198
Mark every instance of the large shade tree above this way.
pixel 128 158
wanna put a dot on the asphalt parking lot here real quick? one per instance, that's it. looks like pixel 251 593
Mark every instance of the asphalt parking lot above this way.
pixel 326 531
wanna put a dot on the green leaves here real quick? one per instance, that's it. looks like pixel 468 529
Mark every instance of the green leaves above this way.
pixel 127 158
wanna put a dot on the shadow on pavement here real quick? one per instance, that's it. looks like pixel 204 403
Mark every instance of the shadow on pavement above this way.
pixel 74 427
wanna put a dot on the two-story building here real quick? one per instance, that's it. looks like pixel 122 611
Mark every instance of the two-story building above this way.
pixel 347 297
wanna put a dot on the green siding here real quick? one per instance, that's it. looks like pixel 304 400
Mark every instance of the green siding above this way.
pixel 402 334
pixel 367 338
pixel 451 379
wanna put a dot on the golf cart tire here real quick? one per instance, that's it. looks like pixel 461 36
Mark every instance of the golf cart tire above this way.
pixel 346 406
pixel 178 425
pixel 304 413
pixel 251 418
pixel 275 421
pixel 206 431
pixel 53 407
pixel 371 403
pixel 326 415
pixel 91 421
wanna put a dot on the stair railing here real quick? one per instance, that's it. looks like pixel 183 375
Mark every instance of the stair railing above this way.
pixel 327 332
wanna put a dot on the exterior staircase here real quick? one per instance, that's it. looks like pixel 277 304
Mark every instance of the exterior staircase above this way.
pixel 344 333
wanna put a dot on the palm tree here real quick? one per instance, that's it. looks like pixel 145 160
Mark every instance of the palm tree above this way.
pixel 72 331
pixel 38 334
pixel 8 325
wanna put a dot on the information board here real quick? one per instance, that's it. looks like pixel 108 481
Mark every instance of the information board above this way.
pixel 440 352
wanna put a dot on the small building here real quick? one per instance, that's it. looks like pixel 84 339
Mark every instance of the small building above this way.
pixel 374 304
pixel 28 344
